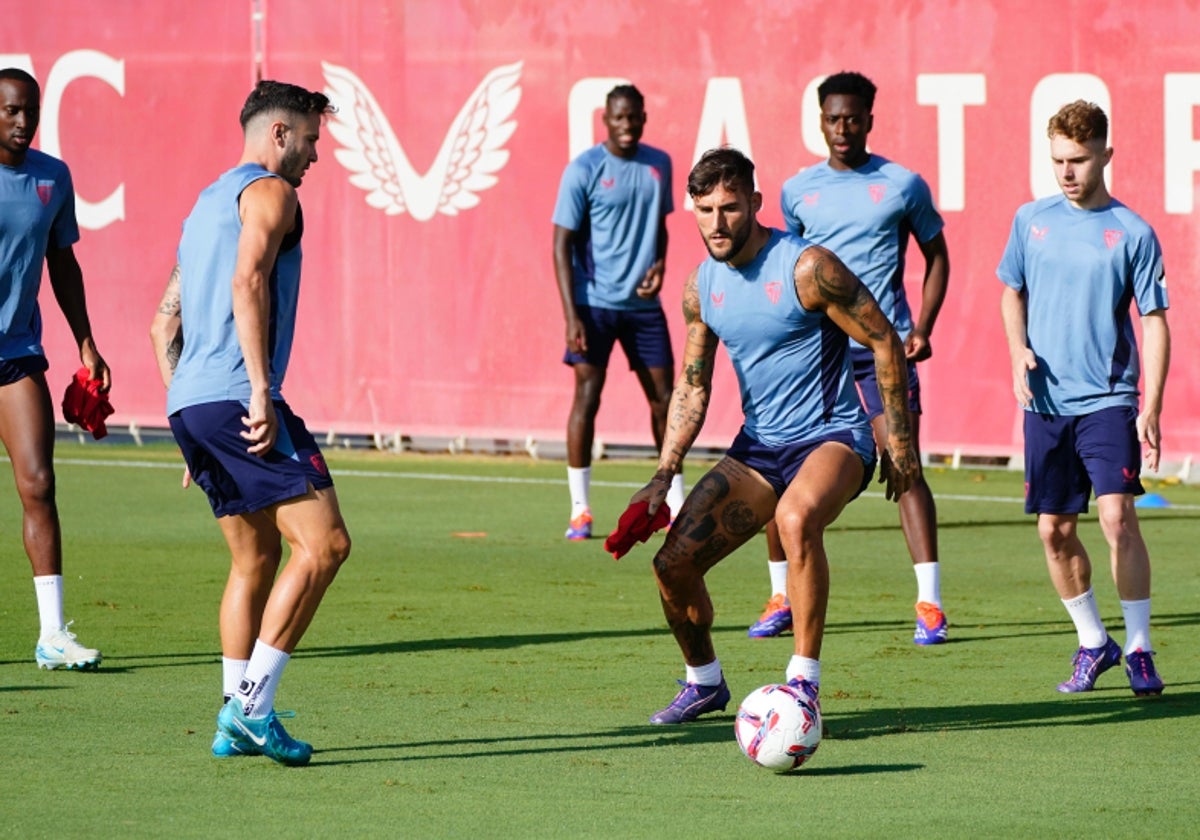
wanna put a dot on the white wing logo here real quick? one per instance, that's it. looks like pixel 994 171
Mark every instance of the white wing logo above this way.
pixel 471 154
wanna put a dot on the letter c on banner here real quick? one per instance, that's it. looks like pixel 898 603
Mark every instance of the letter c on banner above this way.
pixel 74 65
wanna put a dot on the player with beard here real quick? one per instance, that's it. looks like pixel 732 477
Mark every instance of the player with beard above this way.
pixel 783 309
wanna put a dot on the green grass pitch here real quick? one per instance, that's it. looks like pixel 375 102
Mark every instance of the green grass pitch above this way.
pixel 472 674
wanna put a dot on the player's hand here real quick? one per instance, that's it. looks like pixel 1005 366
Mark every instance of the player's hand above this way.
pixel 94 362
pixel 187 478
pixel 899 469
pixel 576 337
pixel 1022 364
pixel 654 494
pixel 652 281
pixel 262 426
pixel 1150 437
pixel 917 347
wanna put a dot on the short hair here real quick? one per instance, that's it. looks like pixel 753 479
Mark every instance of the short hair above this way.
pixel 725 167
pixel 626 92
pixel 279 96
pixel 1079 121
pixel 16 74
pixel 848 83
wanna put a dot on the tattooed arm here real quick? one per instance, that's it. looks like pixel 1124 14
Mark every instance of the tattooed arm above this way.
pixel 824 284
pixel 166 330
pixel 689 400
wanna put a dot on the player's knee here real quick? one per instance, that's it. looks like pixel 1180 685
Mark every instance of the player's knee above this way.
pixel 798 526
pixel 36 487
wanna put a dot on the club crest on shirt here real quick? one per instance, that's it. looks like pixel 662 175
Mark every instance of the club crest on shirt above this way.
pixel 774 289
pixel 45 189
pixel 1112 237
pixel 878 191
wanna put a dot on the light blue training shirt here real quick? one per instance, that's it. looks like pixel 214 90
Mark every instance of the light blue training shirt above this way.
pixel 1080 270
pixel 614 205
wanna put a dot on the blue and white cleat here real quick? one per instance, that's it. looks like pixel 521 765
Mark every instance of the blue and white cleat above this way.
pixel 692 701
pixel 267 735
pixel 1090 663
pixel 225 747
pixel 60 650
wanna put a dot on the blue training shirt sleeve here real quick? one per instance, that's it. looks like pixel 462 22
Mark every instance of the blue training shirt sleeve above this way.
pixel 1149 275
pixel 64 231
pixel 570 208
pixel 786 201
pixel 1012 263
pixel 922 214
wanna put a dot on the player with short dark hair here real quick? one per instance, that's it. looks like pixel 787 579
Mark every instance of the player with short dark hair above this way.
pixel 864 207
pixel 223 336
pixel 38 227
pixel 610 247
pixel 783 308
pixel 1073 265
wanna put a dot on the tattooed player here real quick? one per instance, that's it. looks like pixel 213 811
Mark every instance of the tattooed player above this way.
pixel 784 308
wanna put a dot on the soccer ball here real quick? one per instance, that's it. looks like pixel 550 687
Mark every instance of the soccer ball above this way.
pixel 778 727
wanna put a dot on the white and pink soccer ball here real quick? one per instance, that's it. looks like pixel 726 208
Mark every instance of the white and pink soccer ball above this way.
pixel 778 727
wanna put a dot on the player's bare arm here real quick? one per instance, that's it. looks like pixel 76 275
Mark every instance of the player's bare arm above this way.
pixel 689 399
pixel 823 283
pixel 652 280
pixel 66 279
pixel 1156 359
pixel 918 346
pixel 1013 311
pixel 166 330
pixel 564 239
pixel 268 212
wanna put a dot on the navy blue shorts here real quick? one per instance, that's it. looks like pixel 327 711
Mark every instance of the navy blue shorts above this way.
pixel 14 370
pixel 236 481
pixel 779 464
pixel 868 386
pixel 643 335
pixel 1066 457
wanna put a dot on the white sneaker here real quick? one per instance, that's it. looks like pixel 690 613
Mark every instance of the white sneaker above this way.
pixel 60 650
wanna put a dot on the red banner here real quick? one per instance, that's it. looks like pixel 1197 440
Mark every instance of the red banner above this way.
pixel 429 302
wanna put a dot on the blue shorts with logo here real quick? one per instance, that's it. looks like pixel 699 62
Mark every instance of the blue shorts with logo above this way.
pixel 643 335
pixel 779 464
pixel 236 481
pixel 868 386
pixel 14 370
pixel 1066 457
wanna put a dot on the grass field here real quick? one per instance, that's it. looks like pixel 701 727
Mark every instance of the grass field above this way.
pixel 471 674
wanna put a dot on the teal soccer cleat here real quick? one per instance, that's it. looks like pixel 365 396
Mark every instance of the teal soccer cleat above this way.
pixel 267 735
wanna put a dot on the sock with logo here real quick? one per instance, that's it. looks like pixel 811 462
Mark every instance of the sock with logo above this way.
pixel 1086 615
pixel 258 685
pixel 579 481
pixel 232 671
pixel 49 589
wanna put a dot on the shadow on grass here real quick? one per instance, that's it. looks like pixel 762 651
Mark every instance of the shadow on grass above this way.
pixel 1108 705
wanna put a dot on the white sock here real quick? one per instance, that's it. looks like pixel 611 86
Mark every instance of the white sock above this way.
pixel 929 581
pixel 801 667
pixel 778 572
pixel 232 671
pixel 709 674
pixel 1088 624
pixel 579 480
pixel 257 688
pixel 49 589
pixel 676 494
pixel 1137 625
